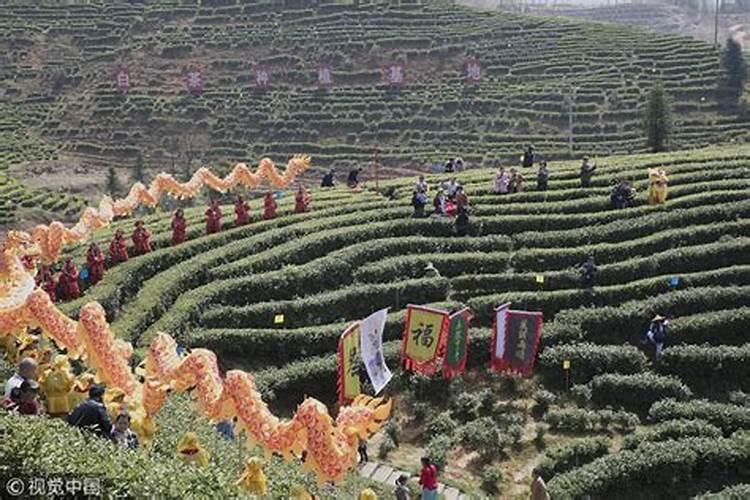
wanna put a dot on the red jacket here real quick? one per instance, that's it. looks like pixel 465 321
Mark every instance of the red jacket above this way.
pixel 428 477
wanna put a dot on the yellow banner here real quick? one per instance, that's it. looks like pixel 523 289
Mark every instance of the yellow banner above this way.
pixel 424 329
pixel 351 363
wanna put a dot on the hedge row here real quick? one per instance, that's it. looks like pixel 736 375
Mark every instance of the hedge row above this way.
pixel 709 369
pixel 679 260
pixel 581 420
pixel 554 301
pixel 628 321
pixel 543 222
pixel 680 197
pixel 345 304
pixel 727 417
pixel 572 455
pixel 546 259
pixel 672 430
pixel 588 360
pixel 448 264
pixel 635 392
pixel 736 492
pixel 633 228
pixel 159 292
pixel 671 469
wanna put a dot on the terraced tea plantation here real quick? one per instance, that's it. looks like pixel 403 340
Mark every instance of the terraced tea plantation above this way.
pixel 358 252
pixel 60 61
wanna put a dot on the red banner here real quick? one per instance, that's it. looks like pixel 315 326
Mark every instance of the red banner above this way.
pixel 122 79
pixel 473 71
pixel 262 77
pixel 325 76
pixel 515 340
pixel 424 336
pixel 395 74
pixel 194 80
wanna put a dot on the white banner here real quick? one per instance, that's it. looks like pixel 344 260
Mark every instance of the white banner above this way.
pixel 501 314
pixel 371 347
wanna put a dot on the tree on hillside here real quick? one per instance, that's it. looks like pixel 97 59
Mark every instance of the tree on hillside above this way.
pixel 657 119
pixel 735 68
pixel 113 183
pixel 138 174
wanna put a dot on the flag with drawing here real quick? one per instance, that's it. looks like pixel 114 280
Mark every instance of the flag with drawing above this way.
pixel 371 346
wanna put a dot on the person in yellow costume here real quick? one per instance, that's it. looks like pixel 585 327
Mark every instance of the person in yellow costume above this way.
pixel 80 391
pixel 190 450
pixel 657 186
pixel 56 384
pixel 253 479
pixel 368 494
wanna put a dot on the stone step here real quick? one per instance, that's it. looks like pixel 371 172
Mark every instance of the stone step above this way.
pixel 382 473
pixel 368 469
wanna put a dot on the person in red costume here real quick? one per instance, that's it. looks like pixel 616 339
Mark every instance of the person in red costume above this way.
pixel 178 227
pixel 46 280
pixel 69 281
pixel 118 250
pixel 269 206
pixel 241 211
pixel 301 201
pixel 95 261
pixel 141 238
pixel 213 218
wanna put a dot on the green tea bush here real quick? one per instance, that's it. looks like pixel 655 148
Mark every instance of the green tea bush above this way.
pixel 572 455
pixel 492 475
pixel 709 369
pixel 684 466
pixel 588 360
pixel 729 418
pixel 636 392
pixel 672 429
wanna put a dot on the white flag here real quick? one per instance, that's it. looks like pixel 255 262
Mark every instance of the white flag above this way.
pixel 501 313
pixel 371 347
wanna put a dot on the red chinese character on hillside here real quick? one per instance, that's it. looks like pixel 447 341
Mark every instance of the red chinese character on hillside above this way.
pixel 262 77
pixel 394 74
pixel 122 79
pixel 194 80
pixel 325 76
pixel 473 71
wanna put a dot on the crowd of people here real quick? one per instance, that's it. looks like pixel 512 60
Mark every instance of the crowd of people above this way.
pixel 69 283
pixel 63 393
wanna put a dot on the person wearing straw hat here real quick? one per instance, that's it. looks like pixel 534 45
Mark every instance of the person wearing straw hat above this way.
pixel 657 334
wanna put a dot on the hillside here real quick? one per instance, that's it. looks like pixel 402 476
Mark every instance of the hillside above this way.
pixel 357 252
pixel 59 95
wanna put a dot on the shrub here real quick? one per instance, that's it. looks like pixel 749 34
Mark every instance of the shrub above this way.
pixel 572 455
pixel 709 369
pixel 672 429
pixel 465 407
pixel 387 445
pixel 543 399
pixel 580 419
pixel 438 449
pixel 636 392
pixel 482 435
pixel 442 424
pixel 393 431
pixel 729 418
pixel 492 475
pixel 736 492
pixel 683 466
pixel 588 360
